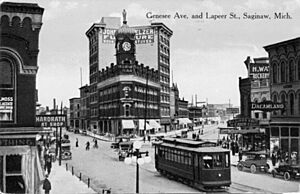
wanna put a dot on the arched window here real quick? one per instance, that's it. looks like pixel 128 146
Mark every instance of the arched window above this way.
pixel 6 74
pixel 284 102
pixel 298 104
pixel 275 101
pixel 292 103
pixel 299 69
pixel 7 90
pixel 291 71
pixel 282 72
pixel 274 73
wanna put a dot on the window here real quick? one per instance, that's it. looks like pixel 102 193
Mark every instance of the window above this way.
pixel 207 161
pixel 218 160
pixel 294 132
pixel 283 101
pixel 227 163
pixel 6 75
pixel 291 71
pixel 127 110
pixel 275 131
pixel 292 104
pixel 285 132
pixel 282 72
pixel 274 75
pixel 256 115
pixel 298 69
pixel 13 175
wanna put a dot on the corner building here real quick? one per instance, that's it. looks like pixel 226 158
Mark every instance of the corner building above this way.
pixel 285 88
pixel 152 47
pixel 20 168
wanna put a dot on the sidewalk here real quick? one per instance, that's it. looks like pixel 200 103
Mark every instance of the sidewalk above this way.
pixel 62 182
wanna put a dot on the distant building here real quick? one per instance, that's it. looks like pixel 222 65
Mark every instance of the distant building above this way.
pixel 284 129
pixel 84 107
pixel 75 113
pixel 152 44
pixel 128 91
pixel 20 168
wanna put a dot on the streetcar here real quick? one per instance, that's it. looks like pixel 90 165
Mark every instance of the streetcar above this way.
pixel 199 164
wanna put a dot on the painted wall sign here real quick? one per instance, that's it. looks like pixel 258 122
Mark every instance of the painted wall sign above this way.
pixel 51 120
pixel 142 36
pixel 259 70
pixel 17 141
pixel 267 106
pixel 6 106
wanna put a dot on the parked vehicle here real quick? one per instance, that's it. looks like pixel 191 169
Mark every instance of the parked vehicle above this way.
pixel 254 160
pixel 199 164
pixel 124 149
pixel 76 130
pixel 119 139
pixel 84 132
pixel 66 153
pixel 287 171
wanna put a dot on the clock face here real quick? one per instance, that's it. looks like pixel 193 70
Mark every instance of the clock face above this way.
pixel 126 46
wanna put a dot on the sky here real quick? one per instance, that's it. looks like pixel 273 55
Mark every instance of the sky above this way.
pixel 206 55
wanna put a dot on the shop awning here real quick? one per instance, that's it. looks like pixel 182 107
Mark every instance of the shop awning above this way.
pixel 184 121
pixel 154 124
pixel 142 125
pixel 128 124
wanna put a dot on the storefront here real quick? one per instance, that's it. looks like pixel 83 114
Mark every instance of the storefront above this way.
pixel 285 139
pixel 20 167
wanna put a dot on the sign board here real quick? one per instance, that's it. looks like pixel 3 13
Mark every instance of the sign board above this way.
pixel 267 106
pixel 259 70
pixel 51 120
pixel 17 141
pixel 232 110
pixel 6 105
pixel 142 35
pixel 242 122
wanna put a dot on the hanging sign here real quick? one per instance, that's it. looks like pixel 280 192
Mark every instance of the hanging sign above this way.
pixel 51 120
pixel 259 70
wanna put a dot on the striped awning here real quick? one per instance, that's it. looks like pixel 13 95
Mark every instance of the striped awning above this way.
pixel 128 124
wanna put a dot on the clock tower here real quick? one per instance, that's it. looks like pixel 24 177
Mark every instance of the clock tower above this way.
pixel 125 43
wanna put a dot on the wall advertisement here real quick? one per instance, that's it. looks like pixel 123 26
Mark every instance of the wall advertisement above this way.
pixel 6 105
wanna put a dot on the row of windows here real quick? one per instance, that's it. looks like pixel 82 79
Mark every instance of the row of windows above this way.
pixel 164 70
pixel 165 89
pixel 285 72
pixel 93 59
pixel 165 60
pixel 94 38
pixel 284 132
pixel 143 90
pixel 164 111
pixel 164 40
pixel 136 104
pixel 164 79
pixel 165 50
pixel 165 99
pixel 290 105
pixel 93 49
pixel 260 83
pixel 94 112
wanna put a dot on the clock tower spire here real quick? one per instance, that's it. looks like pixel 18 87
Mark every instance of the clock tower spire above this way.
pixel 125 43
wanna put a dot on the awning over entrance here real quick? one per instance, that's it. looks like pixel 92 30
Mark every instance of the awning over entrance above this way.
pixel 142 125
pixel 128 124
pixel 154 124
pixel 231 130
pixel 184 121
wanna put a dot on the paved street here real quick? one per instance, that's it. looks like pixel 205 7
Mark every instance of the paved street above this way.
pixel 106 171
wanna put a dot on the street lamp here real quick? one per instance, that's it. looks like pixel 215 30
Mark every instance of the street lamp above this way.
pixel 136 157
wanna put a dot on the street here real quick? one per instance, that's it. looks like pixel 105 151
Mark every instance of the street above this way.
pixel 106 171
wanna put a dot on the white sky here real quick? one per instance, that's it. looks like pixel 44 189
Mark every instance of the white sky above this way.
pixel 207 56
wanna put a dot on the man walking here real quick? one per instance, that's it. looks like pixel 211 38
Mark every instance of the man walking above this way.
pixel 46 185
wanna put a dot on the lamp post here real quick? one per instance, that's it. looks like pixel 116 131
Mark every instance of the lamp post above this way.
pixel 136 156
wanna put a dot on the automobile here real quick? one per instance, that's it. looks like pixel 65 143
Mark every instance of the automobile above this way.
pixel 118 140
pixel 286 170
pixel 124 149
pixel 76 130
pixel 254 160
pixel 84 132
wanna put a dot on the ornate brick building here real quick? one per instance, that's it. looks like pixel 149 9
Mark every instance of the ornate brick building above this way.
pixel 20 169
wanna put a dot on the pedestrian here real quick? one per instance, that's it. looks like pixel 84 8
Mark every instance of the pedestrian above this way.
pixel 273 158
pixel 46 185
pixel 144 139
pixel 232 148
pixel 149 138
pixel 76 144
pixel 240 154
pixel 49 163
pixel 87 145
pixel 95 143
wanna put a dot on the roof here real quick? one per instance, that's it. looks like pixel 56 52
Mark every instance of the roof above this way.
pixel 287 42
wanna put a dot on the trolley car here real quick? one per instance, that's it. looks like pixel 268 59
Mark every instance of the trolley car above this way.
pixel 197 163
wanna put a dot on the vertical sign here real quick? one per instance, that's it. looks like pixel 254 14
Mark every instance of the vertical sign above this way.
pixel 6 105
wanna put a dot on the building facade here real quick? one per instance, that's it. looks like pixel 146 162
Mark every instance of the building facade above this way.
pixel 129 92
pixel 20 168
pixel 84 107
pixel 152 47
pixel 75 113
pixel 285 88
